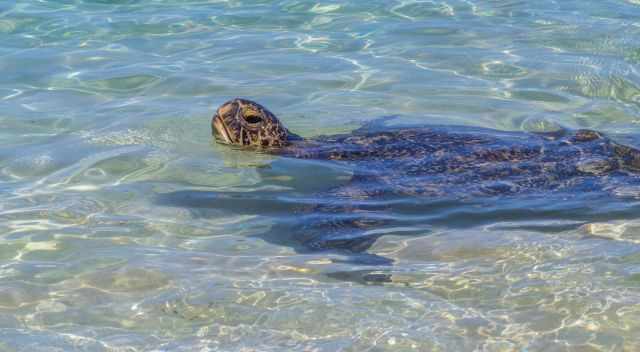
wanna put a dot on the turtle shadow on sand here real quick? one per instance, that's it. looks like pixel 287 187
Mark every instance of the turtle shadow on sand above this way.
pixel 351 189
pixel 330 221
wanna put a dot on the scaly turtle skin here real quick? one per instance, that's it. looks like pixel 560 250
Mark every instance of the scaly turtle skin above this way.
pixel 246 123
pixel 437 160
pixel 442 161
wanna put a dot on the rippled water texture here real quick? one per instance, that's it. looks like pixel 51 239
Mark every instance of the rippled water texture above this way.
pixel 104 121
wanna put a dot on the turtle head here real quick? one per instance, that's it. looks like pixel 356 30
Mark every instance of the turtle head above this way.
pixel 242 122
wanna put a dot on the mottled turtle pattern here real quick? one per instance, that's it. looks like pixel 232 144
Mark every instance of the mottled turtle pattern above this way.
pixel 246 123
pixel 437 162
pixel 441 161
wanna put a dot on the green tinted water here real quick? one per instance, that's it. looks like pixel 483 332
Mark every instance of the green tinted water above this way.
pixel 105 107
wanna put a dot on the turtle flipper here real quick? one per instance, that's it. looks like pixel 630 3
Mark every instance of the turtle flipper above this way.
pixel 628 157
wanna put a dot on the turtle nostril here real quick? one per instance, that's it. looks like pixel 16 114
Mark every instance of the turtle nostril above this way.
pixel 253 119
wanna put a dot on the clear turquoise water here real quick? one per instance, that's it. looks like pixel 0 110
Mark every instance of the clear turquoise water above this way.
pixel 105 106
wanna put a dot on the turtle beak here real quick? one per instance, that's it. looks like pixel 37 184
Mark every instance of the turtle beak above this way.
pixel 219 130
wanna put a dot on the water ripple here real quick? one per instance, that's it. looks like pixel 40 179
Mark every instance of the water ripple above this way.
pixel 123 227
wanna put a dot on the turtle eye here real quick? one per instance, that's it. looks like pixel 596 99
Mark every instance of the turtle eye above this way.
pixel 253 119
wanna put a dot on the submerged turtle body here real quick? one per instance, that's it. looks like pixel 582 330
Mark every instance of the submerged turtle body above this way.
pixel 397 172
pixel 440 160
pixel 470 161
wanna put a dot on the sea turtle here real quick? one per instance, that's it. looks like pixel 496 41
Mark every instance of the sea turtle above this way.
pixel 445 163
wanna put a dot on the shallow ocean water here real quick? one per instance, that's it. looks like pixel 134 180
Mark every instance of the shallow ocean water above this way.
pixel 104 116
